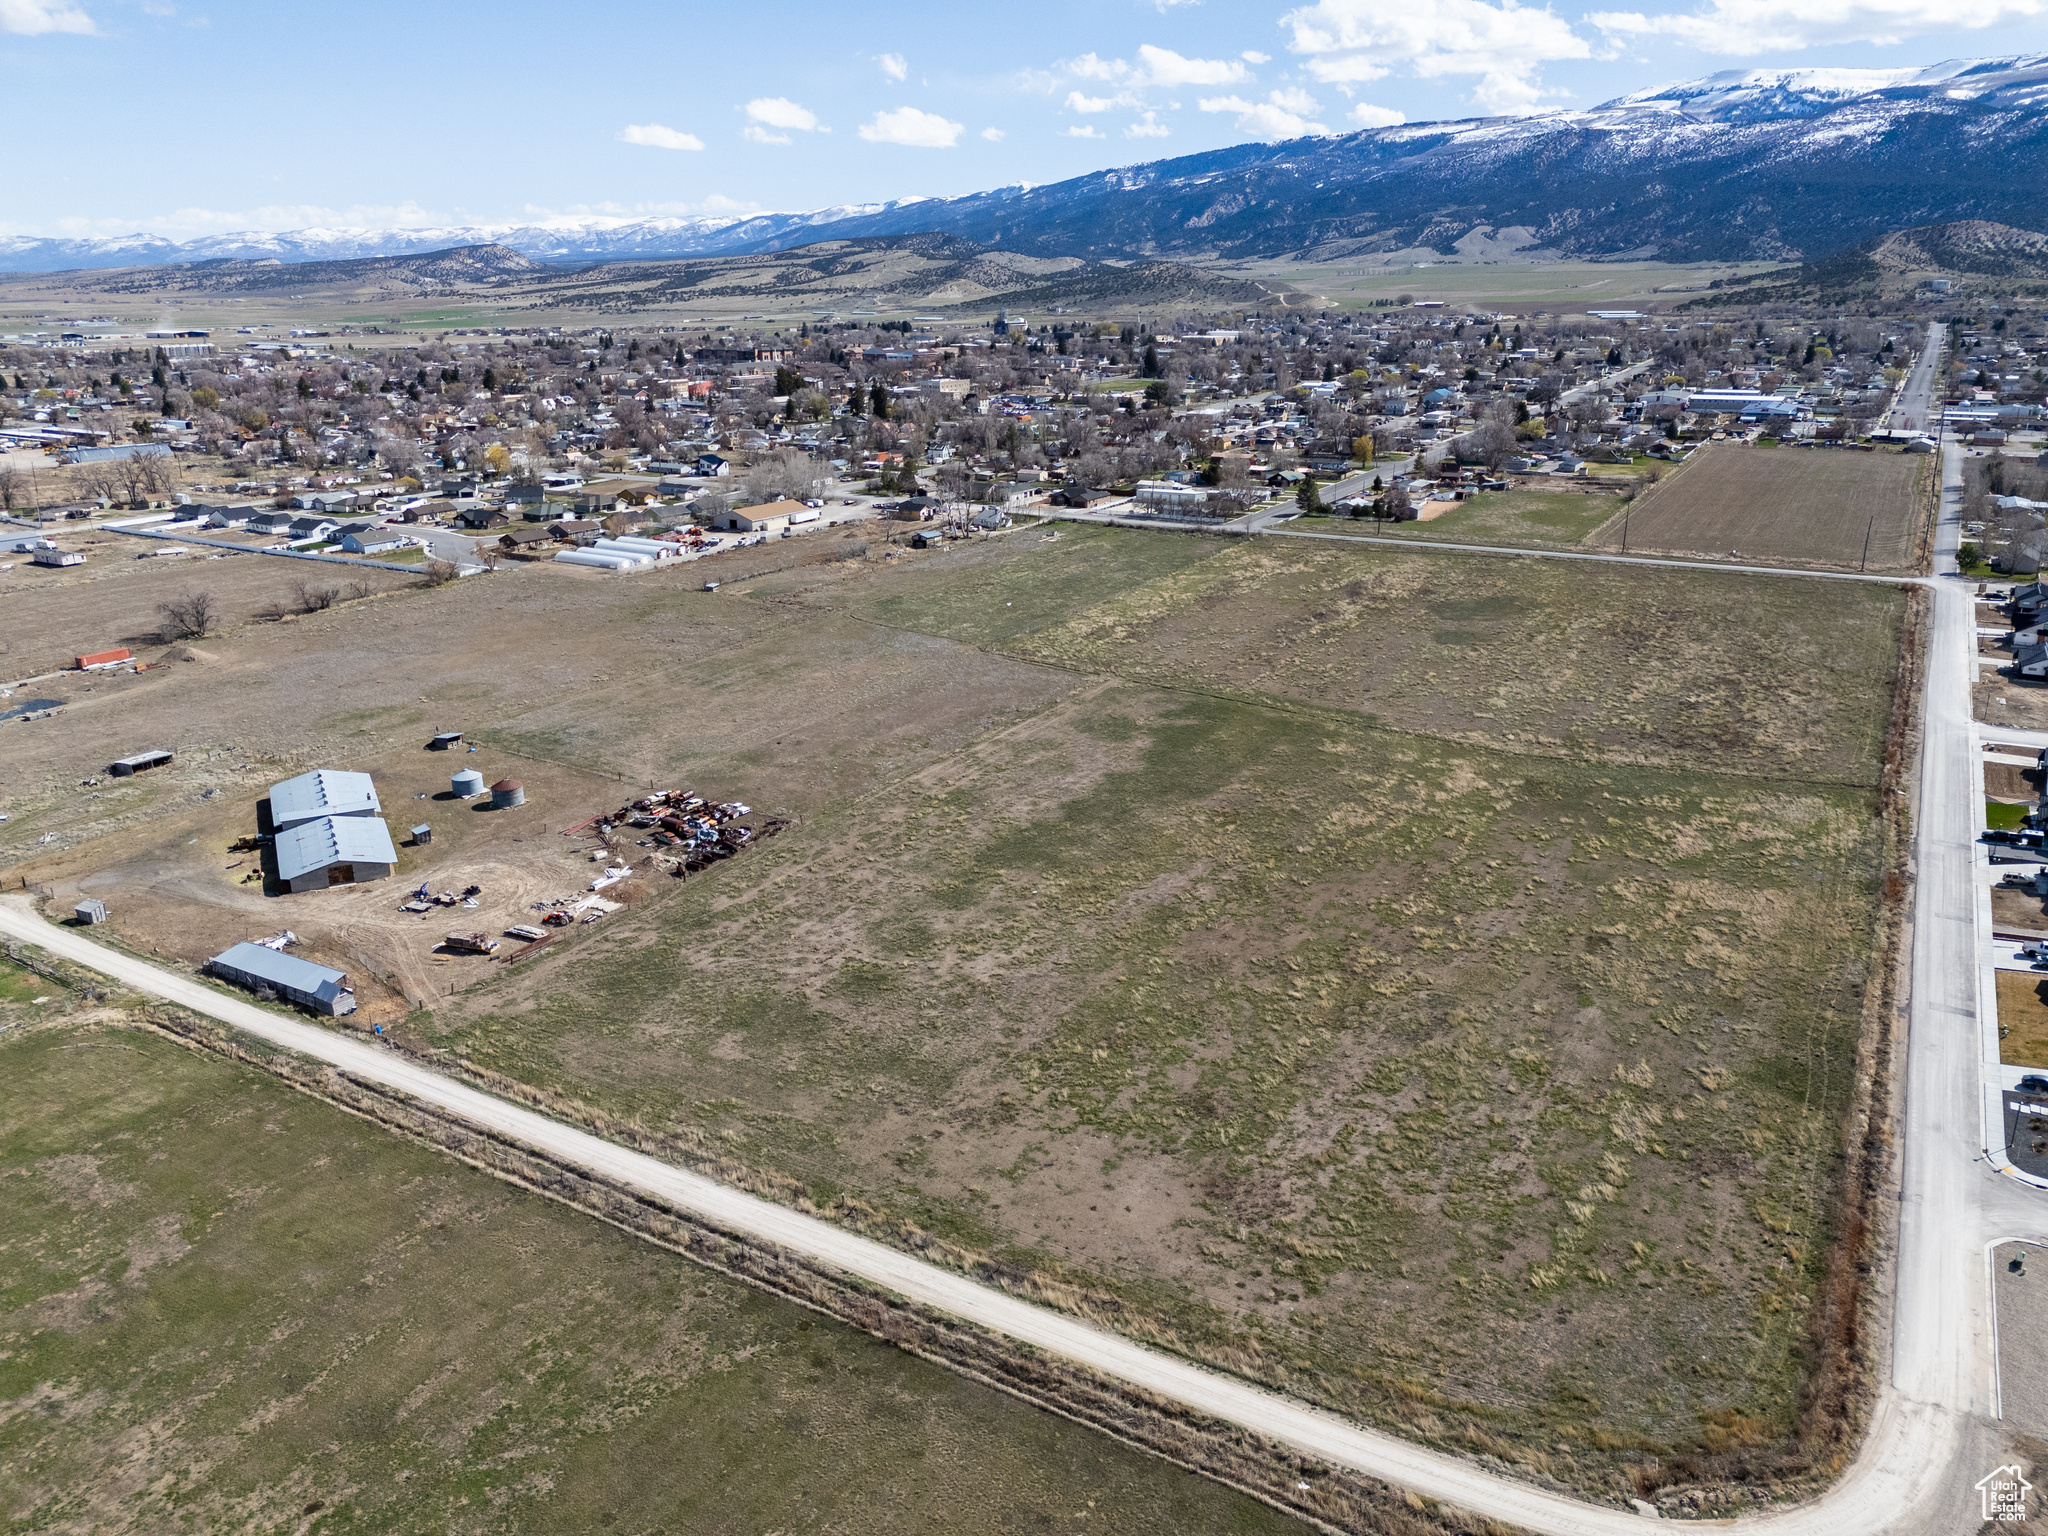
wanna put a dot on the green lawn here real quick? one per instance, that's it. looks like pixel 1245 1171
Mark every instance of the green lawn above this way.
pixel 226 1306
pixel 2001 817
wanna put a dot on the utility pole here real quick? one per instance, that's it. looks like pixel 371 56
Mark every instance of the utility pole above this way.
pixel 1624 530
pixel 1865 561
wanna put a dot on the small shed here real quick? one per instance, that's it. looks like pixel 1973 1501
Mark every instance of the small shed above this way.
pixel 89 912
pixel 299 981
pixel 443 740
pixel 141 762
pixel 507 793
pixel 422 835
pixel 56 557
pixel 467 784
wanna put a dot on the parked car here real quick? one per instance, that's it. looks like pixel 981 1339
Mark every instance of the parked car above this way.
pixel 2031 1084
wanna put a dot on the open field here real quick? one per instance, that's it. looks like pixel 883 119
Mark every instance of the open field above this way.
pixel 351 1333
pixel 2022 1019
pixel 1528 519
pixel 1428 983
pixel 56 614
pixel 1802 506
pixel 1559 286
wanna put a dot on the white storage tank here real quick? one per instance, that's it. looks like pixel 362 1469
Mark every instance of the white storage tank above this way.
pixel 467 784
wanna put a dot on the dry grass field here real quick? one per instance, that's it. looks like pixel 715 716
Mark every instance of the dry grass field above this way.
pixel 231 1308
pixel 1425 983
pixel 1789 506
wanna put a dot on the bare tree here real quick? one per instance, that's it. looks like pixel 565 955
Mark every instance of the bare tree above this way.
pixel 313 597
pixel 13 488
pixel 789 473
pixel 188 615
pixel 439 572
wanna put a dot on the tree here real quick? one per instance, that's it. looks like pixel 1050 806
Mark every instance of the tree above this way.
pixel 1362 448
pixel 856 400
pixel 787 380
pixel 491 379
pixel 188 615
pixel 1309 498
pixel 1151 368
pixel 205 398
pixel 878 401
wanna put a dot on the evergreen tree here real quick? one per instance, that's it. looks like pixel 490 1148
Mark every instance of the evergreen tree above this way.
pixel 878 401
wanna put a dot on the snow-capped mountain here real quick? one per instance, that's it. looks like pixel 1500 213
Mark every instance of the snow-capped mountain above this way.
pixel 1745 164
pixel 578 240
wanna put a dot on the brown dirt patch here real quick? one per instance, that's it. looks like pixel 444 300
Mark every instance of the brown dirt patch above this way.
pixel 2022 1019
pixel 1782 505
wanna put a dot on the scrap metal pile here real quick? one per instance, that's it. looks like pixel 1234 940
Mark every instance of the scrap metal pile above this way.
pixel 697 832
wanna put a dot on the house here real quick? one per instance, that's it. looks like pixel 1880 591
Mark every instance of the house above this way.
pixel 326 501
pixel 2030 661
pixel 768 517
pixel 988 520
pixel 1081 496
pixel 270 522
pixel 711 464
pixel 306 529
pixel 367 538
pixel 227 517
pixel 261 968
pixel 573 530
pixel 482 517
pixel 524 537
pixel 521 497
pixel 428 511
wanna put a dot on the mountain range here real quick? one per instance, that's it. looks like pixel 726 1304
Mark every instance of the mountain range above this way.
pixel 1738 166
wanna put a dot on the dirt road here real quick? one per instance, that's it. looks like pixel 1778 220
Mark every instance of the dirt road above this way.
pixel 1931 1433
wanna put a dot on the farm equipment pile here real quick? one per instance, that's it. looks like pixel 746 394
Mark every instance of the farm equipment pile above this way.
pixel 696 832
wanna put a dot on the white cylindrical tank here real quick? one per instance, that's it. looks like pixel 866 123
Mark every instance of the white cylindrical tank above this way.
pixel 468 783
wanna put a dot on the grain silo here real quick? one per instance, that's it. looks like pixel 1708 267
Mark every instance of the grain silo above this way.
pixel 507 793
pixel 467 784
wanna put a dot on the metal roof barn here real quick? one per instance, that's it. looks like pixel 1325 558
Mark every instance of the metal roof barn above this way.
pixel 323 792
pixel 303 982
pixel 334 850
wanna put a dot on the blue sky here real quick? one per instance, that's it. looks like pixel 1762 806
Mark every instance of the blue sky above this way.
pixel 189 117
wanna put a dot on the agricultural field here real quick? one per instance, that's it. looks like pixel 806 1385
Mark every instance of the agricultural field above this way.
pixel 230 1307
pixel 57 614
pixel 1770 506
pixel 1526 519
pixel 1427 983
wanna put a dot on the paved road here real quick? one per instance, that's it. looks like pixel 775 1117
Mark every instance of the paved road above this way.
pixel 1930 1434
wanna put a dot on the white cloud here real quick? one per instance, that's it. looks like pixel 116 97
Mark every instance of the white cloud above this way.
pixel 894 65
pixel 781 112
pixel 653 135
pixel 1294 99
pixel 1278 117
pixel 32 18
pixel 1148 127
pixel 1076 102
pixel 1253 56
pixel 1085 131
pixel 759 135
pixel 907 125
pixel 1160 67
pixel 1366 115
pixel 993 135
pixel 1351 41
pixel 1746 27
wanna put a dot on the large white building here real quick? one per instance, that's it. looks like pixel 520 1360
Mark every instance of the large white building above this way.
pixel 328 831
